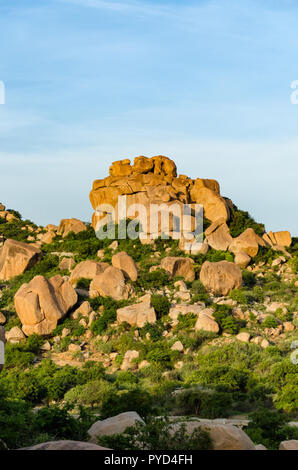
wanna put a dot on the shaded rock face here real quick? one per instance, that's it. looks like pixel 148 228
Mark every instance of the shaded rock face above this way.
pixel 65 445
pixel 70 225
pixel 42 302
pixel 220 278
pixel 177 266
pixel 16 257
pixel 154 181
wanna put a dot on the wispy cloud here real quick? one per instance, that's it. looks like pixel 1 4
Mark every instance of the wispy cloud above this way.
pixel 124 7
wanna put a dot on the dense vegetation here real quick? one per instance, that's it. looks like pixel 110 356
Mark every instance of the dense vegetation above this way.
pixel 41 401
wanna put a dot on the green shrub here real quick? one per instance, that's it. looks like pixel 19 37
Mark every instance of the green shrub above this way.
pixel 92 393
pixel 161 305
pixel 223 315
pixel 206 403
pixel 269 428
pixel 270 322
pixel 152 280
pixel 241 220
pixel 158 434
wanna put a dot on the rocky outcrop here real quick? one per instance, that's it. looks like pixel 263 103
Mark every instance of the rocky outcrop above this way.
pixel 15 335
pixel 282 239
pixel 218 235
pixel 138 314
pixel 223 436
pixel 153 181
pixel 126 263
pixel 248 242
pixel 16 257
pixel 289 445
pixel 180 267
pixel 114 425
pixel 220 278
pixel 42 302
pixel 87 270
pixel 70 225
pixel 66 445
pixel 111 283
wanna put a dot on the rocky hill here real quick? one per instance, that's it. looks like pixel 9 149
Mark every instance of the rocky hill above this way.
pixel 149 330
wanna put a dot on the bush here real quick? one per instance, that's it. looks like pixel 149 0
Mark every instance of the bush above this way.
pixel 270 322
pixel 269 428
pixel 136 398
pixel 241 220
pixel 158 434
pixel 92 393
pixel 206 403
pixel 161 305
pixel 109 315
pixel 154 280
pixel 223 315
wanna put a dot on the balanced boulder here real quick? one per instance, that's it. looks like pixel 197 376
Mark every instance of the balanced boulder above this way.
pixel 218 235
pixel 126 263
pixel 221 277
pixel 248 242
pixel 42 302
pixel 16 257
pixel 111 283
pixel 87 270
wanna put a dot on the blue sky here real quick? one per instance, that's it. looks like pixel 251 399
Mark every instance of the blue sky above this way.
pixel 205 82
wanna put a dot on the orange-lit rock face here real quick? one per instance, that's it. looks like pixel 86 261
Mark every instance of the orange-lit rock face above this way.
pixel 153 181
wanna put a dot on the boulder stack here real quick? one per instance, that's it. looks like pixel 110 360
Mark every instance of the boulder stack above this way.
pixel 42 302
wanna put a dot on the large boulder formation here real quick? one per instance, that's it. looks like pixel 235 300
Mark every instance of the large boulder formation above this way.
pixel 223 436
pixel 180 267
pixel 16 257
pixel 70 225
pixel 248 242
pixel 153 181
pixel 114 425
pixel 220 278
pixel 42 302
pixel 111 283
pixel 138 314
pixel 126 263
pixel 282 239
pixel 87 270
pixel 66 445
pixel 218 235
